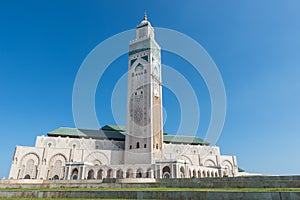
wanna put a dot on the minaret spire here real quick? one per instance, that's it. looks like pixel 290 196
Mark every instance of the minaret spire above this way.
pixel 144 136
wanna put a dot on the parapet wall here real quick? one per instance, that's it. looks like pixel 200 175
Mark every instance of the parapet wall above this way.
pixel 237 182
pixel 199 195
pixel 228 182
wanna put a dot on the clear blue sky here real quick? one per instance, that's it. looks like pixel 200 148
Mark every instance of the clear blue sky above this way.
pixel 255 44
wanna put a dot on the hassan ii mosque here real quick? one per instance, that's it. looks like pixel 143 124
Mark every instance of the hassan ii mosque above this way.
pixel 139 150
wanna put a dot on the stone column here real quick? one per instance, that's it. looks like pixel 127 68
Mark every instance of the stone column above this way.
pixel 174 171
pixel 124 174
pixel 114 173
pixel 104 174
pixel 81 173
pixel 151 173
pixel 158 171
pixel 66 173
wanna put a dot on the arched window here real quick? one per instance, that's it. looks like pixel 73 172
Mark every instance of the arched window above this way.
pixel 139 173
pixel 156 146
pixel 74 174
pixel 194 174
pixel 130 147
pixel 148 173
pixel 119 173
pixel 58 169
pixel 137 145
pixel 182 174
pixel 216 174
pixel 145 145
pixel 100 174
pixel 166 172
pixel 129 173
pixel 55 177
pixel 30 169
pixel 91 174
pixel 27 176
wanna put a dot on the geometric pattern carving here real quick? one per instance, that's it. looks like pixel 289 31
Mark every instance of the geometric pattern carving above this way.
pixel 28 166
pixel 209 163
pixel 56 164
pixel 228 167
pixel 97 158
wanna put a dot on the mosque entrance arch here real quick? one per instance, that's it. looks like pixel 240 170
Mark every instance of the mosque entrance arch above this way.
pixel 27 176
pixel 166 172
pixel 74 175
pixel 56 177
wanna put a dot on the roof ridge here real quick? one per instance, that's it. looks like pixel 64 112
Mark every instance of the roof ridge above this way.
pixel 184 136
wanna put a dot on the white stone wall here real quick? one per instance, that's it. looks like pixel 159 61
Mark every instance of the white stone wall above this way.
pixel 202 156
pixel 80 143
pixel 46 161
pixel 193 154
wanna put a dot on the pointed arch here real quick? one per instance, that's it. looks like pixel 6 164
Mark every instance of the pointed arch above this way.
pixel 100 174
pixel 226 164
pixel 74 174
pixel 27 176
pixel 97 156
pixel 199 173
pixel 31 155
pixel 57 165
pixel 119 173
pixel 91 174
pixel 182 172
pixel 129 173
pixel 184 158
pixel 166 172
pixel 139 173
pixel 209 163
pixel 216 174
pixel 29 165
pixel 194 173
pixel 149 173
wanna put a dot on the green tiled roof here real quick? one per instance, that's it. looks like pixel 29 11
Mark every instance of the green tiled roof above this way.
pixel 183 139
pixel 114 128
pixel 118 133
pixel 241 170
pixel 97 134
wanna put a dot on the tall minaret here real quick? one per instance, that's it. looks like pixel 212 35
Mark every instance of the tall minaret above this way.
pixel 144 138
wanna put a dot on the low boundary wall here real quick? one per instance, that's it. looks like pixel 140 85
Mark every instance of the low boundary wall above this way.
pixel 202 195
pixel 233 182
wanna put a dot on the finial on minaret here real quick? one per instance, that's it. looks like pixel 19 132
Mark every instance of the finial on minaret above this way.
pixel 145 16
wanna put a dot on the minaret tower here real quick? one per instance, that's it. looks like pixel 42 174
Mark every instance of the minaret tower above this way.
pixel 144 138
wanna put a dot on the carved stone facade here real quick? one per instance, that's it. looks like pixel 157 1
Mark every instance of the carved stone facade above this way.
pixel 141 150
pixel 60 157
